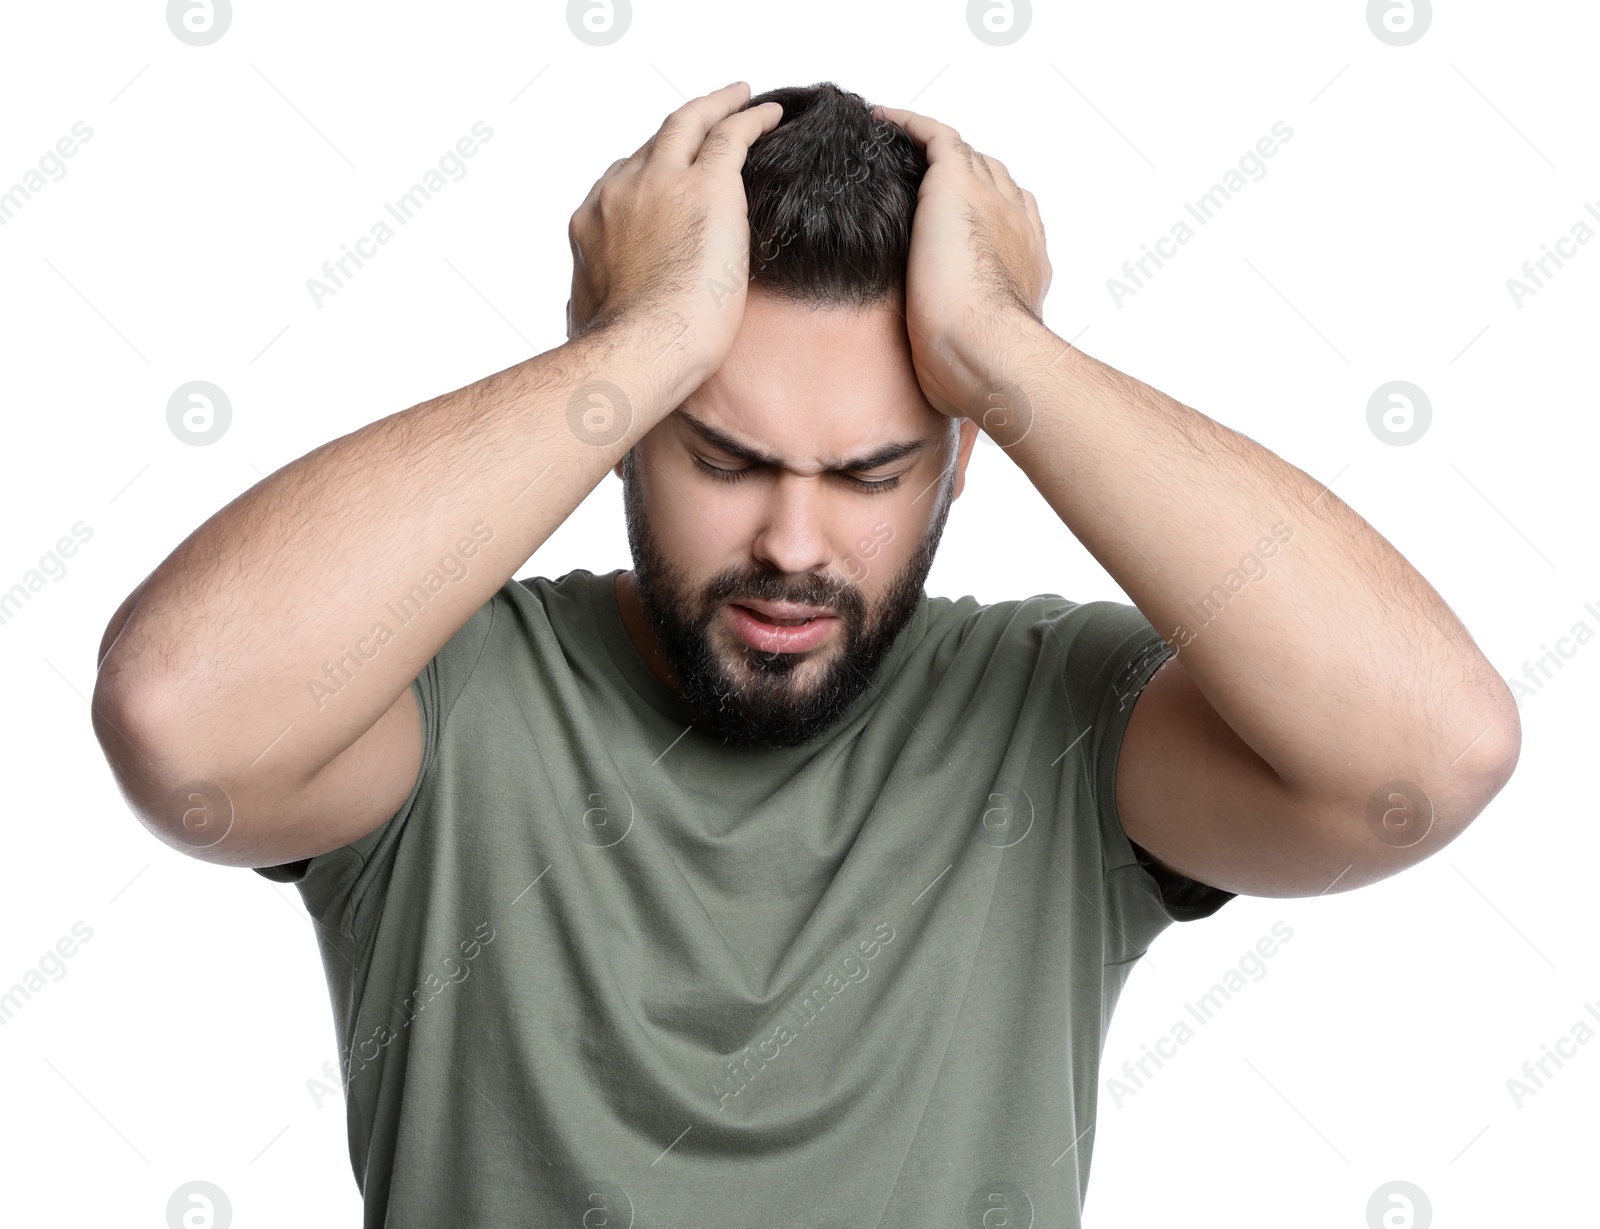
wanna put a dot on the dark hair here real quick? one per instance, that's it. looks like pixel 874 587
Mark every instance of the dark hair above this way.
pixel 831 192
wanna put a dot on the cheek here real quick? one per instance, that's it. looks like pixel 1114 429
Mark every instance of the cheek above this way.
pixel 682 515
pixel 880 543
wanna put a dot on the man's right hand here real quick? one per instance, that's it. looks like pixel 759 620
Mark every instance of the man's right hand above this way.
pixel 246 675
pixel 662 241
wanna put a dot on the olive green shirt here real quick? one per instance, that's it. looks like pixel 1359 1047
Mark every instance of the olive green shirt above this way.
pixel 602 969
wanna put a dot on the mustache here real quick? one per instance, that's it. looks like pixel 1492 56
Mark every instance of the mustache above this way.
pixel 844 599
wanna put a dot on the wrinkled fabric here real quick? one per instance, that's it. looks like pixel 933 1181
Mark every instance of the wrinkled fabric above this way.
pixel 602 969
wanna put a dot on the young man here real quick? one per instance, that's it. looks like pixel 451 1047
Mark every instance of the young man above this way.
pixel 753 885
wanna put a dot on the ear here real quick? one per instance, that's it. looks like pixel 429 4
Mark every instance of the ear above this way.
pixel 969 436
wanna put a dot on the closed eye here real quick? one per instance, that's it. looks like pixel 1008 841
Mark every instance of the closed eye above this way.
pixel 735 475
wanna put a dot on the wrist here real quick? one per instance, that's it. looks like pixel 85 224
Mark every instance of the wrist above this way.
pixel 1007 352
pixel 650 361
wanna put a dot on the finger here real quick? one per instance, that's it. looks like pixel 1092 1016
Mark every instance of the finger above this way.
pixel 606 176
pixel 684 131
pixel 610 173
pixel 727 144
pixel 937 141
pixel 691 111
pixel 1003 180
pixel 1032 205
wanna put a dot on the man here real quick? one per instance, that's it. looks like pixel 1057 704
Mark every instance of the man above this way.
pixel 753 885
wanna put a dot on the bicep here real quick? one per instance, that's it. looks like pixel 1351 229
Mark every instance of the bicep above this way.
pixel 350 797
pixel 1203 804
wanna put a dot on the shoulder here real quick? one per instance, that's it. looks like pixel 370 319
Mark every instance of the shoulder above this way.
pixel 1085 637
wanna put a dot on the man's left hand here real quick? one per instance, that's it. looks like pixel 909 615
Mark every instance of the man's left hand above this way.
pixel 977 269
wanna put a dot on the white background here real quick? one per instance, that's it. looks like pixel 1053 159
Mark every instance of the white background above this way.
pixel 181 1040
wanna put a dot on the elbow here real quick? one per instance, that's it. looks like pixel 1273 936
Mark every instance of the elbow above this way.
pixel 175 780
pixel 133 727
pixel 122 714
pixel 125 718
pixel 1481 770
pixel 1495 754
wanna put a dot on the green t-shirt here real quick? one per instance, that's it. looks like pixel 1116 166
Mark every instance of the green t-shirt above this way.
pixel 602 969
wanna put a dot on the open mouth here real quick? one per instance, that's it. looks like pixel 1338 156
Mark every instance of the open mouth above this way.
pixel 772 635
pixel 756 614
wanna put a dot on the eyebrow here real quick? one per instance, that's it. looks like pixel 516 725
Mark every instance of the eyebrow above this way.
pixel 832 465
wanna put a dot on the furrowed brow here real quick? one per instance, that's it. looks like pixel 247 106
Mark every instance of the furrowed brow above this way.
pixel 759 456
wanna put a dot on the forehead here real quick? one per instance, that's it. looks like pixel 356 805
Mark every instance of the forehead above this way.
pixel 808 382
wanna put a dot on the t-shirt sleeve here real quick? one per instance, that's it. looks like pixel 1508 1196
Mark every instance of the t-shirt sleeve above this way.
pixel 1110 653
pixel 344 887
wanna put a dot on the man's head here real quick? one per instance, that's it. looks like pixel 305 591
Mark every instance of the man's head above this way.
pixel 816 400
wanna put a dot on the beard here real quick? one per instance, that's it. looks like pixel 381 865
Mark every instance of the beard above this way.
pixel 759 698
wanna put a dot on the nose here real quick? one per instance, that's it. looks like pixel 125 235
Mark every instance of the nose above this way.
pixel 792 535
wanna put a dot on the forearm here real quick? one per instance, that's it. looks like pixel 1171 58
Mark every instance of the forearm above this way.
pixel 1318 643
pixel 293 618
